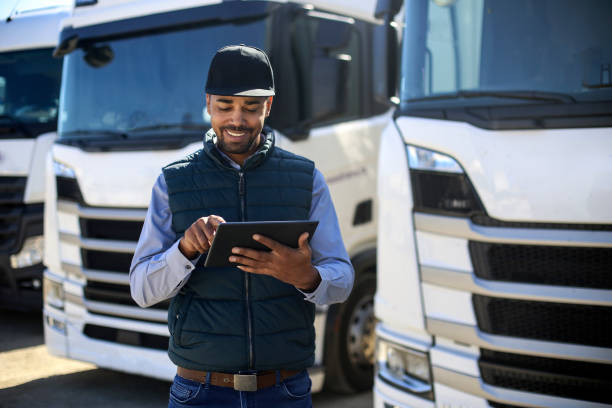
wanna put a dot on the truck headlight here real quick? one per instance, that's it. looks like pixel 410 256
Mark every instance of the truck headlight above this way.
pixel 62 170
pixel 404 368
pixel 31 253
pixel 53 293
pixel 440 185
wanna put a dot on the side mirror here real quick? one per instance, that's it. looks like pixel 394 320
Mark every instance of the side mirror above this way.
pixel 385 64
pixel 385 67
pixel 99 56
pixel 317 72
pixel 388 8
pixel 329 73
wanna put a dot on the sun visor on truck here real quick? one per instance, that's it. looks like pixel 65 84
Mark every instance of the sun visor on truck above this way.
pixel 236 12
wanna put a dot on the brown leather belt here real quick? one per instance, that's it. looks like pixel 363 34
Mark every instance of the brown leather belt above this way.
pixel 239 382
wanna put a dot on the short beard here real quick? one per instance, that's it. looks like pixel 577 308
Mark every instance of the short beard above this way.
pixel 240 149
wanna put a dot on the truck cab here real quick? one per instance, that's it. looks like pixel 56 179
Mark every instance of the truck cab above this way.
pixel 133 101
pixel 29 100
pixel 494 178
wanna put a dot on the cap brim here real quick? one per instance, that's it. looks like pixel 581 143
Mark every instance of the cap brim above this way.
pixel 243 92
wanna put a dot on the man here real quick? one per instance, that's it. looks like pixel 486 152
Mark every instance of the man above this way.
pixel 240 336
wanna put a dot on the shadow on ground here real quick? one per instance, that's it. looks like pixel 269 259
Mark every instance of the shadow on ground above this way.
pixel 92 389
pixel 26 330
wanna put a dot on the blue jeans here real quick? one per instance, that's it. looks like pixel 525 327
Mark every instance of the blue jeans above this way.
pixel 292 392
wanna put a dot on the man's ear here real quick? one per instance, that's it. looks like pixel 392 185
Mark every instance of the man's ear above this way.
pixel 208 98
pixel 269 105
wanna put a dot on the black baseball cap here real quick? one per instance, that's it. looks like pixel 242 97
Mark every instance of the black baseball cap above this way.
pixel 240 70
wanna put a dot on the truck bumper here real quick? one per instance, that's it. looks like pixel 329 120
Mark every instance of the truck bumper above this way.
pixel 68 333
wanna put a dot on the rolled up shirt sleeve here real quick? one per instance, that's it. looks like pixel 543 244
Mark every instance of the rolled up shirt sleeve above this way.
pixel 158 269
pixel 329 255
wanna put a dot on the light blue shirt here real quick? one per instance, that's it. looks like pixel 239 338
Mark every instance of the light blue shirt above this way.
pixel 159 269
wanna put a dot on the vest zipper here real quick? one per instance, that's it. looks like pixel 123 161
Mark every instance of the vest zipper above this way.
pixel 241 191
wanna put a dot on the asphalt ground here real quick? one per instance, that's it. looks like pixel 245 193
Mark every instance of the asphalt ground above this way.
pixel 30 377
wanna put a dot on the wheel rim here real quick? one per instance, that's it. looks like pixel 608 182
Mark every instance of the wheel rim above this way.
pixel 361 335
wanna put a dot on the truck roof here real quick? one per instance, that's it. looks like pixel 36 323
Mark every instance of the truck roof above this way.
pixel 112 10
pixel 29 29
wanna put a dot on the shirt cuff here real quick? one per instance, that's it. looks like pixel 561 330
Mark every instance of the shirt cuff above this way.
pixel 319 291
pixel 176 261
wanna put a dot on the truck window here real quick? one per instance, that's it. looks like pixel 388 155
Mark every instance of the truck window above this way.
pixel 29 91
pixel 153 82
pixel 489 45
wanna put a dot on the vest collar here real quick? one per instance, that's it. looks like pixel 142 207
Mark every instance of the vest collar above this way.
pixel 264 150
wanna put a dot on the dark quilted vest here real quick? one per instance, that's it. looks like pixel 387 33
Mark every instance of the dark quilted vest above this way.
pixel 225 319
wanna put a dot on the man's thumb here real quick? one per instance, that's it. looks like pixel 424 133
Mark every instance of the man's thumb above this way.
pixel 303 240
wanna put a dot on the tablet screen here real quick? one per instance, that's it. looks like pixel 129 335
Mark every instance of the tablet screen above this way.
pixel 240 234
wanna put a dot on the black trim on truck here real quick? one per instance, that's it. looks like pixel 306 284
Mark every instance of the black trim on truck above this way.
pixel 581 267
pixel 548 321
pixel 551 376
pixel 515 117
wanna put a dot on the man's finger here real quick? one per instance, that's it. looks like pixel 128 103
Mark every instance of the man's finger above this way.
pixel 251 253
pixel 303 241
pixel 214 221
pixel 270 243
pixel 257 271
pixel 244 261
pixel 209 232
pixel 201 240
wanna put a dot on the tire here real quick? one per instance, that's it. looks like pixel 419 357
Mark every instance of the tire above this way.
pixel 350 339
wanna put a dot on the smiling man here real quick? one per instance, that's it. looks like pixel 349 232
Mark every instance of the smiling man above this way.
pixel 241 336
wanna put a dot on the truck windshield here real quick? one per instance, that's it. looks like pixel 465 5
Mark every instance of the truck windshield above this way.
pixel 29 92
pixel 146 86
pixel 458 51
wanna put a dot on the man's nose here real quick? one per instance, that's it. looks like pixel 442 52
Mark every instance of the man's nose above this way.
pixel 237 118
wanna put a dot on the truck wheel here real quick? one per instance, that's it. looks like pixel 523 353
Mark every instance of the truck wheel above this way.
pixel 350 339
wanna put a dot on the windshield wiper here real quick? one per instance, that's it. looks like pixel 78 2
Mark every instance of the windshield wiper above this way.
pixel 19 125
pixel 171 126
pixel 523 95
pixel 91 133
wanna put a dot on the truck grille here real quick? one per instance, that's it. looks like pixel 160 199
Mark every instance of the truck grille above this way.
pixel 546 265
pixel 106 261
pixel 550 376
pixel 114 293
pixel 10 220
pixel 12 189
pixel 11 210
pixel 559 322
pixel 127 337
pixel 111 229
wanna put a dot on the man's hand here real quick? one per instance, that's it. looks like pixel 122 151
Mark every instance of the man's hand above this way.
pixel 199 236
pixel 284 263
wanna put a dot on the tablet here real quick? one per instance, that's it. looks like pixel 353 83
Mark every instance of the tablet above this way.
pixel 240 234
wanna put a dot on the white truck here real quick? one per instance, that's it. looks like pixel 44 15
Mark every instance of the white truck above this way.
pixel 29 97
pixel 132 101
pixel 495 222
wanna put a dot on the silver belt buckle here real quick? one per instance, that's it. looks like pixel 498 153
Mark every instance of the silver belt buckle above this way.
pixel 245 382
